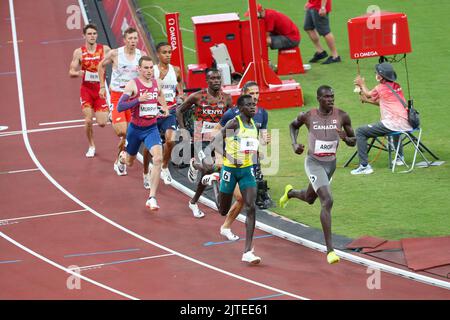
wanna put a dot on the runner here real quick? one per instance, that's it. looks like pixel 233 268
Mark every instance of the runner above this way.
pixel 141 96
pixel 85 65
pixel 170 81
pixel 260 118
pixel 209 106
pixel 325 130
pixel 241 144
pixel 124 62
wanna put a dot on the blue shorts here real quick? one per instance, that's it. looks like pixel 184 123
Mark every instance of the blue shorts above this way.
pixel 229 177
pixel 136 135
pixel 165 123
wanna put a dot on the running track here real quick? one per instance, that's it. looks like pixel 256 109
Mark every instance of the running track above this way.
pixel 66 210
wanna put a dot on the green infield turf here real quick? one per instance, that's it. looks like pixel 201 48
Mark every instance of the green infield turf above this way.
pixel 382 204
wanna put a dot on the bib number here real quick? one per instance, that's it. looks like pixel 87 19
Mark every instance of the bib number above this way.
pixel 169 95
pixel 249 145
pixel 91 76
pixel 325 148
pixel 208 127
pixel 226 176
pixel 148 110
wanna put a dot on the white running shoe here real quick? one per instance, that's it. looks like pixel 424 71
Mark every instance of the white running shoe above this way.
pixel 166 176
pixel 91 152
pixel 399 162
pixel 119 166
pixel 228 234
pixel 208 179
pixel 152 204
pixel 362 170
pixel 192 172
pixel 146 180
pixel 250 257
pixel 195 210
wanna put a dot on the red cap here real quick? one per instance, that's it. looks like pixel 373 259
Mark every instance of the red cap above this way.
pixel 259 8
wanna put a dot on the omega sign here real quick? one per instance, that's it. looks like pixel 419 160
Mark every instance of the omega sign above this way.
pixel 172 33
pixel 366 54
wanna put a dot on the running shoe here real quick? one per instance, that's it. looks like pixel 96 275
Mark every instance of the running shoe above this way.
pixel 208 179
pixel 284 199
pixel 192 173
pixel 332 257
pixel 318 56
pixel 166 176
pixel 228 234
pixel 119 166
pixel 146 181
pixel 91 152
pixel 152 204
pixel 250 257
pixel 195 210
pixel 362 170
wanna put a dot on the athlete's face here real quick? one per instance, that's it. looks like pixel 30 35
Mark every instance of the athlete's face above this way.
pixel 91 36
pixel 131 40
pixel 254 92
pixel 326 99
pixel 164 54
pixel 248 108
pixel 214 80
pixel 146 69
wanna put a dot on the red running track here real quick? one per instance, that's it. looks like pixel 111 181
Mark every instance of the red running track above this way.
pixel 71 211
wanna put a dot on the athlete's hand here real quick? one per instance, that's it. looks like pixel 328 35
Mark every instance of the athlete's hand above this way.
pixel 298 148
pixel 341 134
pixel 102 93
pixel 81 73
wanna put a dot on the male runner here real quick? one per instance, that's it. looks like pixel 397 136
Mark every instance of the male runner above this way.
pixel 170 81
pixel 325 130
pixel 260 118
pixel 141 96
pixel 124 62
pixel 209 106
pixel 85 65
pixel 241 144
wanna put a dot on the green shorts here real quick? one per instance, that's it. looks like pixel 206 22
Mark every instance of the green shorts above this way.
pixel 230 176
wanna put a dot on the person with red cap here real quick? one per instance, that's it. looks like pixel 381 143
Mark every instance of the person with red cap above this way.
pixel 282 32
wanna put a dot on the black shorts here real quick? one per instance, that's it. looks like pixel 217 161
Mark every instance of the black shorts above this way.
pixel 314 21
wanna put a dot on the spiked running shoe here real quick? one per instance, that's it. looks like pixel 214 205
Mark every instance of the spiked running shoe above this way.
pixel 284 199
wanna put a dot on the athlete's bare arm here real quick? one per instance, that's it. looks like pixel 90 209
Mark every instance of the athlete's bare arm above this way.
pixel 185 106
pixel 217 141
pixel 110 58
pixel 75 64
pixel 130 89
pixel 302 118
pixel 180 88
pixel 162 100
pixel 347 135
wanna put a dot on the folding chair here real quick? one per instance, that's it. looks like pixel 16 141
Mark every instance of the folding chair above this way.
pixel 405 138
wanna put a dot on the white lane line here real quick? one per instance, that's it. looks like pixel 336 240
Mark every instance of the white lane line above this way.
pixel 3 128
pixel 19 171
pixel 42 215
pixel 24 125
pixel 70 271
pixel 97 266
pixel 61 122
pixel 20 132
pixel 97 214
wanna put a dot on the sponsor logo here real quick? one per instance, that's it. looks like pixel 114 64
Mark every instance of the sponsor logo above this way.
pixel 365 54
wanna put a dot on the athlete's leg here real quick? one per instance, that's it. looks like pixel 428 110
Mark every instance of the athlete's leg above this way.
pixel 156 153
pixel 101 118
pixel 326 202
pixel 308 195
pixel 146 158
pixel 235 209
pixel 168 146
pixel 88 113
pixel 249 195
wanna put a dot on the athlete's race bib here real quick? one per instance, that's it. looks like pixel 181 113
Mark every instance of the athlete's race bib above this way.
pixel 248 145
pixel 169 95
pixel 325 148
pixel 91 76
pixel 208 127
pixel 148 110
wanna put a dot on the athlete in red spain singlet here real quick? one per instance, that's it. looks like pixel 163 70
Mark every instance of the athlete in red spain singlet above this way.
pixel 84 64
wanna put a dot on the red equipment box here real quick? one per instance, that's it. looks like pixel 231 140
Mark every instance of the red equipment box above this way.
pixel 378 34
pixel 247 44
pixel 196 77
pixel 213 29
